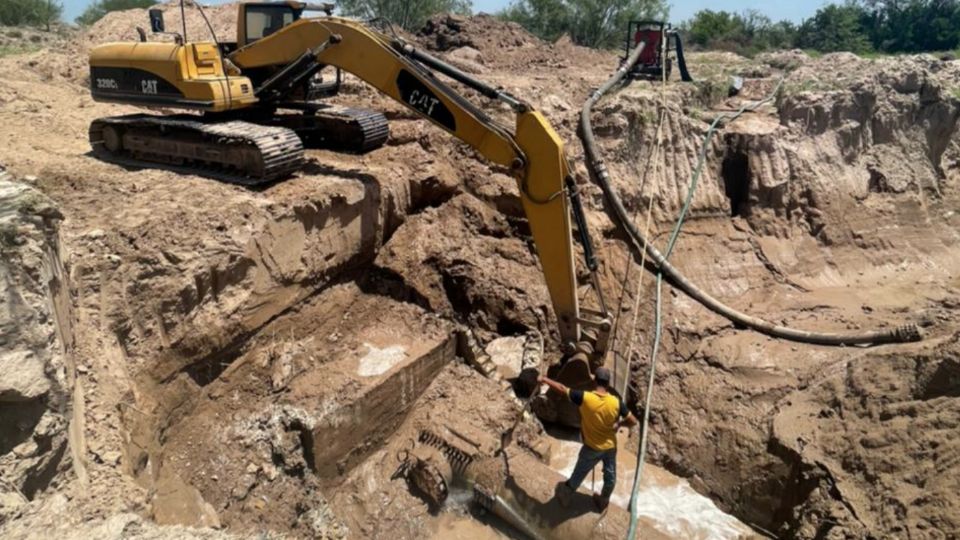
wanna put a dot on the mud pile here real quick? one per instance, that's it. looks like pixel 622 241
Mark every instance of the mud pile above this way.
pixel 267 355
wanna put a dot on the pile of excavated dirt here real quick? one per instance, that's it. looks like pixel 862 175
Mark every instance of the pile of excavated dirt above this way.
pixel 121 25
pixel 484 44
pixel 19 38
pixel 483 32
pixel 257 361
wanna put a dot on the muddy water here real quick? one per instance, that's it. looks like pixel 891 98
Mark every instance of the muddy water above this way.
pixel 457 523
pixel 668 501
pixel 456 527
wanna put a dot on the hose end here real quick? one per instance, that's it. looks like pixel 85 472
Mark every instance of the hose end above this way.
pixel 908 333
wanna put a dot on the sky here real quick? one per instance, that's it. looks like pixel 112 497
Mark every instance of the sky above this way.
pixel 680 9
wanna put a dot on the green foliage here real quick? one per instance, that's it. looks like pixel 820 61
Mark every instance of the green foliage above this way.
pixel 836 28
pixel 592 23
pixel 547 19
pixel 30 12
pixel 99 8
pixel 709 27
pixel 744 33
pixel 896 26
pixel 861 26
pixel 407 14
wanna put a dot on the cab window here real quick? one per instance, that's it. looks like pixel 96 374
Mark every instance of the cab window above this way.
pixel 265 20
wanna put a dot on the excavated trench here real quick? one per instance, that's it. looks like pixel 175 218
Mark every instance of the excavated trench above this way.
pixel 283 377
pixel 262 360
pixel 326 359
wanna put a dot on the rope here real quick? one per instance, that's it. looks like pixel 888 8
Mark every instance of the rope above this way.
pixel 639 244
pixel 658 310
pixel 654 160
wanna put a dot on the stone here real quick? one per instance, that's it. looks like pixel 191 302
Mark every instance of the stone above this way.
pixel 21 376
pixel 507 354
pixel 178 503
pixel 11 503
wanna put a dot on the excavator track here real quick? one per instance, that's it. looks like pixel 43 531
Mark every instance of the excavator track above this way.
pixel 336 128
pixel 232 151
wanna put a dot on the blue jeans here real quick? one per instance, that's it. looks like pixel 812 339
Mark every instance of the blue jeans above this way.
pixel 587 460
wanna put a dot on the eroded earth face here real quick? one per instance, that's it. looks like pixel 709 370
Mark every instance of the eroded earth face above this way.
pixel 254 361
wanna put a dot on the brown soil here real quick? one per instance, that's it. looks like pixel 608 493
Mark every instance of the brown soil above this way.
pixel 255 360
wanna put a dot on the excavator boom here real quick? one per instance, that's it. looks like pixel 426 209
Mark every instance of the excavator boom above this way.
pixel 531 151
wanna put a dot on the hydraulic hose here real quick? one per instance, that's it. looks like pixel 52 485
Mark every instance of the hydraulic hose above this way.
pixel 638 243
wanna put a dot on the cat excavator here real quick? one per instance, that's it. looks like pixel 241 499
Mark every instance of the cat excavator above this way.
pixel 254 119
pixel 240 88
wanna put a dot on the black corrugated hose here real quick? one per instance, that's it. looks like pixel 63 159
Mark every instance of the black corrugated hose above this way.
pixel 638 243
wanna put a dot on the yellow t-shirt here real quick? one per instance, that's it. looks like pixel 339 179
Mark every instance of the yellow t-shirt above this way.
pixel 598 418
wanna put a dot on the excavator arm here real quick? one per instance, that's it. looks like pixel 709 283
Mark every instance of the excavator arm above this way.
pixel 533 153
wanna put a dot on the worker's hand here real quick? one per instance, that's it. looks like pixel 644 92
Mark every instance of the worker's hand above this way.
pixel 541 379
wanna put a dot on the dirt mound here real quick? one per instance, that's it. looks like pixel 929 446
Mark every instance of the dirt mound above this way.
pixel 483 32
pixel 24 39
pixel 230 343
pixel 885 446
pixel 122 25
pixel 502 46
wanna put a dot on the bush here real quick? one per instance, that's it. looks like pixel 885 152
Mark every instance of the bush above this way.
pixel 836 28
pixel 407 14
pixel 859 26
pixel 592 23
pixel 30 12
pixel 744 33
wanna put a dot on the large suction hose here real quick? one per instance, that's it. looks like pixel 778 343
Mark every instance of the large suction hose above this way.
pixel 638 243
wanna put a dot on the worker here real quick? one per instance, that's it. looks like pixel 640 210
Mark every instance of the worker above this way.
pixel 600 419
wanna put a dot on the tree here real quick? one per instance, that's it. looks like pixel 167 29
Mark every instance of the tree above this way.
pixel 709 27
pixel 912 25
pixel 49 12
pixel 546 19
pixel 836 28
pixel 603 23
pixel 30 12
pixel 780 35
pixel 407 14
pixel 592 23
pixel 99 8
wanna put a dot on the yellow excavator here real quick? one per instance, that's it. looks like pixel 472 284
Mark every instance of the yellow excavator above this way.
pixel 254 120
pixel 278 50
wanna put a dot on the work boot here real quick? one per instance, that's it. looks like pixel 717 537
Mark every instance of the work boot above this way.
pixel 601 502
pixel 564 494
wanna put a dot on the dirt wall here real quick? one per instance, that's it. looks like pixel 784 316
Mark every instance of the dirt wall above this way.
pixel 832 209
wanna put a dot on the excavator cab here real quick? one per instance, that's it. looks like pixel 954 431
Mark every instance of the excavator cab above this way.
pixel 261 19
pixel 257 20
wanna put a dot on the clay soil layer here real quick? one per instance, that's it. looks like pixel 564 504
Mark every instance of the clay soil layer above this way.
pixel 196 359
